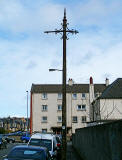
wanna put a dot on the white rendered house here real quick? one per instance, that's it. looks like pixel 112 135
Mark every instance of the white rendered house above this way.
pixel 46 105
pixel 108 106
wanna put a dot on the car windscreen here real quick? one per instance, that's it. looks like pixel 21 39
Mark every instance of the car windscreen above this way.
pixel 42 142
pixel 22 153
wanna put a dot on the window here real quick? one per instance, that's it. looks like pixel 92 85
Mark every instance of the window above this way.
pixel 26 153
pixel 59 95
pixel 44 95
pixel 83 107
pixel 59 107
pixel 83 95
pixel 74 96
pixel 74 119
pixel 41 142
pixel 83 119
pixel 44 107
pixel 78 107
pixel 59 119
pixel 44 130
pixel 44 119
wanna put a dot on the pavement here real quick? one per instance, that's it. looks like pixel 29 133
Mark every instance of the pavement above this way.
pixel 71 153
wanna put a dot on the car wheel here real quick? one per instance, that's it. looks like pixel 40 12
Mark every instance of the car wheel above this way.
pixel 10 141
pixel 24 141
pixel 5 146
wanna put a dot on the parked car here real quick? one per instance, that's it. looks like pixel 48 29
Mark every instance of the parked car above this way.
pixel 3 142
pixel 16 135
pixel 59 141
pixel 59 146
pixel 22 152
pixel 25 138
pixel 9 139
pixel 45 140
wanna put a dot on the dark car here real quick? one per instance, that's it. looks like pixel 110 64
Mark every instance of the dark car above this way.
pixel 16 135
pixel 3 142
pixel 9 139
pixel 24 152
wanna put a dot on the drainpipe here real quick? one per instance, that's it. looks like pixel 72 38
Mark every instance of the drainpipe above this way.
pixel 31 123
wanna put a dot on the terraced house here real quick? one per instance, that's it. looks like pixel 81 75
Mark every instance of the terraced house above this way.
pixel 46 105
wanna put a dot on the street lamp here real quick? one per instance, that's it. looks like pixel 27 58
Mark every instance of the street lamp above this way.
pixel 51 70
pixel 27 110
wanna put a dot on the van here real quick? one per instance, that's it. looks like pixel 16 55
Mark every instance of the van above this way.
pixel 45 140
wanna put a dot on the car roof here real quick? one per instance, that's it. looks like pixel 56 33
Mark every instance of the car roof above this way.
pixel 29 147
pixel 42 136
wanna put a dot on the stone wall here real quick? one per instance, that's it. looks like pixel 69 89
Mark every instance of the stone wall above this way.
pixel 101 142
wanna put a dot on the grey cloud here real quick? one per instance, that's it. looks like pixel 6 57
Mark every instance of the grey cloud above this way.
pixel 88 56
pixel 31 65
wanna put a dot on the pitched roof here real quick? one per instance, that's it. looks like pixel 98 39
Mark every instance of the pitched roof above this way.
pixel 57 88
pixel 113 91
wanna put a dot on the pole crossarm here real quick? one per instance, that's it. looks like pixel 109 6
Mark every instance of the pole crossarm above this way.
pixel 58 31
pixel 62 32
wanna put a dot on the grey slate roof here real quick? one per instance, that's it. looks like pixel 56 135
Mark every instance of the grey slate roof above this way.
pixel 57 88
pixel 113 91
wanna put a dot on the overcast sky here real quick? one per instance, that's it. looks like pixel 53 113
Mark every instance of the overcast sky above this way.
pixel 26 53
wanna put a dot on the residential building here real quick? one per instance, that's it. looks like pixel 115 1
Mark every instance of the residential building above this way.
pixel 108 106
pixel 46 105
pixel 13 123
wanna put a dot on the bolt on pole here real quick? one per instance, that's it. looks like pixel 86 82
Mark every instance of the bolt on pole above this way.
pixel 64 30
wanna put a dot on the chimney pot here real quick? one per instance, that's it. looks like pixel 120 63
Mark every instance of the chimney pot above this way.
pixel 91 80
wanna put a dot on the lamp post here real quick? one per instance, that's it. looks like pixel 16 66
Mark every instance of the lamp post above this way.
pixel 64 31
pixel 27 110
pixel 51 70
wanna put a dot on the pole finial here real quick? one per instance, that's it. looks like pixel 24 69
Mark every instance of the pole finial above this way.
pixel 64 12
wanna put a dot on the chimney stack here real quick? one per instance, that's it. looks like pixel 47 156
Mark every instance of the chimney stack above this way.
pixel 91 90
pixel 70 82
pixel 91 98
pixel 107 82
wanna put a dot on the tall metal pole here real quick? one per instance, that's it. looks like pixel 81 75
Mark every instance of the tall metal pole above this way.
pixel 64 30
pixel 27 111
